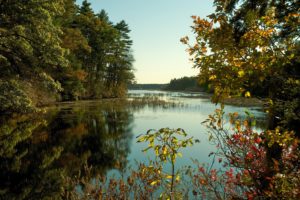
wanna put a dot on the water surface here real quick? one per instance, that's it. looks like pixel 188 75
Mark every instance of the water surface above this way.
pixel 42 156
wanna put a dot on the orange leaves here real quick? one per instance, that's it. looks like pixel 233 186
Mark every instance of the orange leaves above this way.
pixel 292 17
pixel 230 63
pixel 259 36
pixel 269 20
pixel 78 74
pixel 204 49
pixel 74 40
pixel 201 25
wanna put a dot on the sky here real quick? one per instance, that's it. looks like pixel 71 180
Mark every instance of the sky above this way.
pixel 156 28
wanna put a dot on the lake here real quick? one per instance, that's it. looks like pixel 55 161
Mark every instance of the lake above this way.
pixel 41 155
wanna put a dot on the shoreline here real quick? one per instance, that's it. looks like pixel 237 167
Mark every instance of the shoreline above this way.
pixel 232 101
pixel 243 101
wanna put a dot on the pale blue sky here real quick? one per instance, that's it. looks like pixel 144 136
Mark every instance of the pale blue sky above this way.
pixel 156 28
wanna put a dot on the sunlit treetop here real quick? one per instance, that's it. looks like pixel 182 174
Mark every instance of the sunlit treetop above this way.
pixel 240 46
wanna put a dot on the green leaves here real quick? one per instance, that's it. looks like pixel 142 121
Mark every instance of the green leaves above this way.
pixel 73 51
pixel 13 98
pixel 166 143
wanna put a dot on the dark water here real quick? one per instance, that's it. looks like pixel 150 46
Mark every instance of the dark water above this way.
pixel 44 156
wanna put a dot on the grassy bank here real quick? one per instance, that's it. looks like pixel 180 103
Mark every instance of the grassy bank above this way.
pixel 242 101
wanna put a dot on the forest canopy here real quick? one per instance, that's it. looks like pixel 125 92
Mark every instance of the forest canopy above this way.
pixel 56 50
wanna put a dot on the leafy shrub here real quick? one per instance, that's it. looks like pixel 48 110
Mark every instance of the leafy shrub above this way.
pixel 13 99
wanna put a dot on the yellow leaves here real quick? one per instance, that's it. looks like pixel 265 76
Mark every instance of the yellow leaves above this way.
pixel 212 77
pixel 247 94
pixel 258 37
pixel 79 74
pixel 269 21
pixel 246 123
pixel 241 73
pixel 168 141
pixel 281 138
pixel 141 139
pixel 164 150
pixel 271 102
pixel 169 176
pixel 157 151
pixel 238 125
pixel 151 141
pixel 154 183
pixel 174 140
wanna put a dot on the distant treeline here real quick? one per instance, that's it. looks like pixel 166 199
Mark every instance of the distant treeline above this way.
pixel 56 50
pixel 187 84
pixel 176 84
pixel 193 84
pixel 147 86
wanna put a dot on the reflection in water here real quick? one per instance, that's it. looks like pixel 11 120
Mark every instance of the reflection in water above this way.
pixel 47 155
pixel 39 155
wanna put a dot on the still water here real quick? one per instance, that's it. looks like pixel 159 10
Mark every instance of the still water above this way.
pixel 42 155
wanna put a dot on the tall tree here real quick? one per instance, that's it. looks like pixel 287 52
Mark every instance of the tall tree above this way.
pixel 59 48
pixel 109 65
pixel 119 71
pixel 30 49
pixel 29 37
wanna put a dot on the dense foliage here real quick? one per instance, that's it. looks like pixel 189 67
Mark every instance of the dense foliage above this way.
pixel 65 50
pixel 249 44
pixel 186 84
pixel 243 46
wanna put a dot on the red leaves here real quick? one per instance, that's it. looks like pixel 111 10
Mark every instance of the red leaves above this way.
pixel 201 169
pixel 257 140
pixel 249 156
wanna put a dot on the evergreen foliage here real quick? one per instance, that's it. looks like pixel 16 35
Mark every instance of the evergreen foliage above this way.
pixel 186 84
pixel 63 48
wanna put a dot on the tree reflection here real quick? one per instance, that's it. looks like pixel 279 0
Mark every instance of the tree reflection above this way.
pixel 55 155
pixel 45 156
